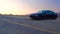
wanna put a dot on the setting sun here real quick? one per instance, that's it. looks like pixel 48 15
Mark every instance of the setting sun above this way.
pixel 21 7
pixel 14 7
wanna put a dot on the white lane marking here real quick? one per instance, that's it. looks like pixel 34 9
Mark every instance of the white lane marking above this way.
pixel 42 29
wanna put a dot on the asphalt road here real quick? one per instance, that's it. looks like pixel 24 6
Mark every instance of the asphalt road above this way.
pixel 24 25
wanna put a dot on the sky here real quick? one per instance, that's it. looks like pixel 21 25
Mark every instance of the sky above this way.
pixel 23 7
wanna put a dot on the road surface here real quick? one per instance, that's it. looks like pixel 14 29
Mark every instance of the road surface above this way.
pixel 24 25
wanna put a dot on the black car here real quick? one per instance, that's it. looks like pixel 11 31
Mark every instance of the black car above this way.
pixel 44 14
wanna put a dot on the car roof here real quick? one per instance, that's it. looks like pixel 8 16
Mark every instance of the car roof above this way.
pixel 45 11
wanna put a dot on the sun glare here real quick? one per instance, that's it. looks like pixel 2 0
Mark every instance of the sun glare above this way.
pixel 24 7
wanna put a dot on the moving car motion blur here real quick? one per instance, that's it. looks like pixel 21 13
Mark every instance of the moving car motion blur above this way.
pixel 44 14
